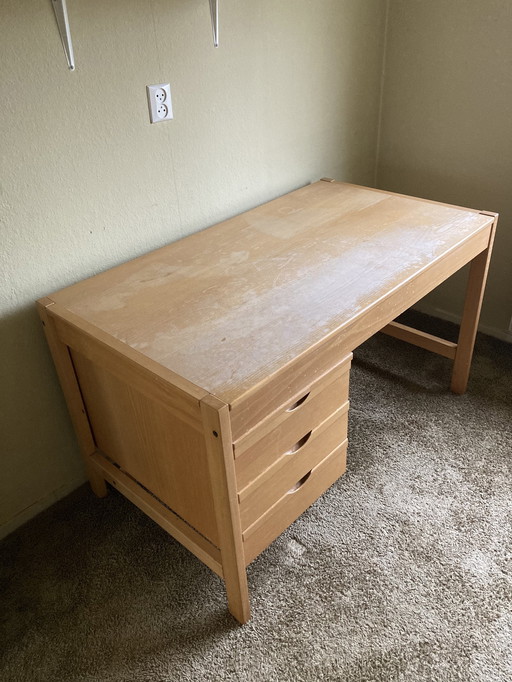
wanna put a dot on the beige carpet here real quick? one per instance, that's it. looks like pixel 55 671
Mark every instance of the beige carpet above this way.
pixel 400 572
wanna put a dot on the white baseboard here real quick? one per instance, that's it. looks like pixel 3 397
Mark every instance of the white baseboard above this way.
pixel 39 506
pixel 502 334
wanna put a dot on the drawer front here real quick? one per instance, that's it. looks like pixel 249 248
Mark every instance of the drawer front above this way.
pixel 292 420
pixel 282 389
pixel 260 458
pixel 291 505
pixel 290 467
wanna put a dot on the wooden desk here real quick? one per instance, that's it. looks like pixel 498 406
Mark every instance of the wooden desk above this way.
pixel 208 380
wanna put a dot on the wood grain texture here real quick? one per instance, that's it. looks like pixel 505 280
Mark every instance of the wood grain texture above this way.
pixel 283 388
pixel 257 468
pixel 219 446
pixel 291 505
pixel 287 469
pixel 421 339
pixel 214 372
pixel 150 443
pixel 69 384
pixel 152 507
pixel 285 426
pixel 148 376
pixel 471 313
pixel 364 325
pixel 289 273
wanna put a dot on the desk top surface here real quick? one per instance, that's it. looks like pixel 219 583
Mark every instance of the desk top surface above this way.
pixel 226 307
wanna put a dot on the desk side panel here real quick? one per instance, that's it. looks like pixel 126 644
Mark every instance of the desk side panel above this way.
pixel 150 443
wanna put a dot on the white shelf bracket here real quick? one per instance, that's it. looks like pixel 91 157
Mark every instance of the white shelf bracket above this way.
pixel 61 14
pixel 214 11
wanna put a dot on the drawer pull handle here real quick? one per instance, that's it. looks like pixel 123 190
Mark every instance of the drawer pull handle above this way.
pixel 299 444
pixel 298 403
pixel 299 484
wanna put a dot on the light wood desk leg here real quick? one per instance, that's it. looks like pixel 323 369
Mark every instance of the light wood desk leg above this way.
pixel 96 480
pixel 222 472
pixel 469 324
pixel 71 390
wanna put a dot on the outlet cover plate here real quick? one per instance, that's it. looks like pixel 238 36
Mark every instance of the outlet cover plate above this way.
pixel 159 102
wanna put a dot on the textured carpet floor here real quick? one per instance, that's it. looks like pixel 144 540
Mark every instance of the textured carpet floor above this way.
pixel 401 571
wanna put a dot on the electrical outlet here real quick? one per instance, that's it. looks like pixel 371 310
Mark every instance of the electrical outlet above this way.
pixel 159 102
pixel 510 325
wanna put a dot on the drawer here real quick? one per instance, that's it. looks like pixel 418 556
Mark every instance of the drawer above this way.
pixel 284 387
pixel 291 505
pixel 291 466
pixel 269 439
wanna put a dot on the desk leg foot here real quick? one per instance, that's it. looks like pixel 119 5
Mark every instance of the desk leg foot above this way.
pixel 96 481
pixel 238 600
pixel 469 324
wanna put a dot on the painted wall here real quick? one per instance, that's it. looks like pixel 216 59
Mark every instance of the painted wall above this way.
pixel 291 95
pixel 447 126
